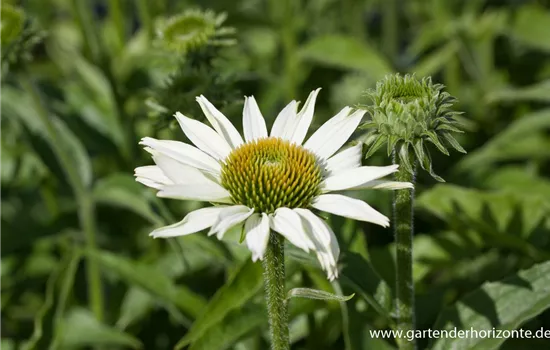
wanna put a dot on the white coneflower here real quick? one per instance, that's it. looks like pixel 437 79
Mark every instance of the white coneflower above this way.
pixel 268 180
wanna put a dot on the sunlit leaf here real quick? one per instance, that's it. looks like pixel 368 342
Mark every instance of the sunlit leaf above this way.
pixel 234 325
pixel 504 305
pixel 531 26
pixel 316 294
pixel 121 190
pixel 153 281
pixel 362 277
pixel 539 92
pixel 242 286
pixel 347 53
pixel 81 329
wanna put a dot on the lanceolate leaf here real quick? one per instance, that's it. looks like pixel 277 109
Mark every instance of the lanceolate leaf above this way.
pixel 503 305
pixel 235 325
pixel 81 329
pixel 316 294
pixel 153 281
pixel 346 52
pixel 361 276
pixel 242 286
pixel 123 191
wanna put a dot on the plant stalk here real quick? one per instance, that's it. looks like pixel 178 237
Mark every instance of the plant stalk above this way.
pixel 403 213
pixel 274 277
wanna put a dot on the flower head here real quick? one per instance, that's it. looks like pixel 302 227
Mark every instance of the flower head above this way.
pixel 266 181
pixel 195 28
pixel 407 113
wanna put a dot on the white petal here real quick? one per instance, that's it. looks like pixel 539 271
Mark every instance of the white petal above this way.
pixel 347 159
pixel 383 184
pixel 325 241
pixel 349 207
pixel 184 153
pixel 207 192
pixel 356 177
pixel 220 123
pixel 179 173
pixel 152 176
pixel 284 123
pixel 332 135
pixel 228 218
pixel 288 224
pixel 204 137
pixel 304 118
pixel 253 121
pixel 195 221
pixel 257 235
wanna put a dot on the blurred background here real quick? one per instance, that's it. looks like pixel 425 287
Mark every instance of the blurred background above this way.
pixel 83 81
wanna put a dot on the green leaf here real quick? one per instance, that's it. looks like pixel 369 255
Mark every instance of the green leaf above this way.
pixel 123 191
pixel 234 326
pixel 531 27
pixel 81 329
pixel 242 286
pixel 316 294
pixel 362 277
pixel 12 24
pixel 346 52
pixel 539 92
pixel 524 138
pixel 20 105
pixel 435 61
pixel 153 281
pixel 504 305
pixel 493 213
pixel 136 305
pixel 77 153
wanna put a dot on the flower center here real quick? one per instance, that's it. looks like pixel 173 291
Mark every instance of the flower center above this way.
pixel 271 173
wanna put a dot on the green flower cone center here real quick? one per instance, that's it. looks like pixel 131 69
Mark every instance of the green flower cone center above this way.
pixel 271 173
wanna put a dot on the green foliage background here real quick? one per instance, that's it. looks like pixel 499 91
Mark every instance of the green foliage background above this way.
pixel 83 81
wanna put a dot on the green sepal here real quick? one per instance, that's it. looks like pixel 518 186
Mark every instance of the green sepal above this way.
pixel 419 151
pixel 428 167
pixel 449 127
pixel 316 294
pixel 243 235
pixel 368 125
pixel 392 142
pixel 378 142
pixel 453 142
pixel 405 159
pixel 432 136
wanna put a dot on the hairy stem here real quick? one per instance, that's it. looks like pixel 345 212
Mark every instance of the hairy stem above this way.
pixel 403 222
pixel 274 276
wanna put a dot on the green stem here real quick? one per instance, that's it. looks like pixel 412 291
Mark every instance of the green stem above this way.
pixel 404 228
pixel 274 276
pixel 83 198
